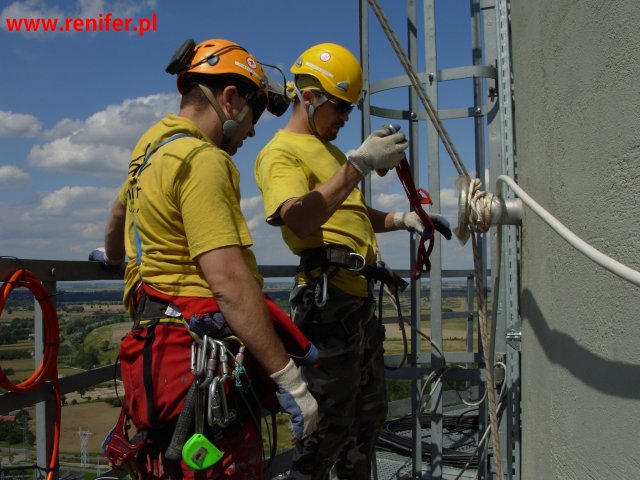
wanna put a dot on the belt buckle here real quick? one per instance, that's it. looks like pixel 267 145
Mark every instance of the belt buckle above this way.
pixel 359 262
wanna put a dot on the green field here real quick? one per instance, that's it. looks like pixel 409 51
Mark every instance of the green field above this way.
pixel 98 326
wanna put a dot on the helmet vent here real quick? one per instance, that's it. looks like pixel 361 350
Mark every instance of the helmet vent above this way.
pixel 344 86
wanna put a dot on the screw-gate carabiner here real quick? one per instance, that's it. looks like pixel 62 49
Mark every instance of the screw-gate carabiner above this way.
pixel 321 292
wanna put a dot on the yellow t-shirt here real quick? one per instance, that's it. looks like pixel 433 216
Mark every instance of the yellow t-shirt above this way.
pixel 293 164
pixel 184 202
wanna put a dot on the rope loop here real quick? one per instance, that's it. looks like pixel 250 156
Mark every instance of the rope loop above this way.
pixel 479 202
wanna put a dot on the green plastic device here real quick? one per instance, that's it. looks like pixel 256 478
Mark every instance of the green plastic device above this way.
pixel 199 453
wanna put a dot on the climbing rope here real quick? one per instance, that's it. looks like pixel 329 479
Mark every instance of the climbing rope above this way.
pixel 459 166
pixel 48 368
pixel 477 217
pixel 475 214
pixel 420 90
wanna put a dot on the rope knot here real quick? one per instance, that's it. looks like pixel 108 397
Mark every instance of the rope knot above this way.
pixel 474 208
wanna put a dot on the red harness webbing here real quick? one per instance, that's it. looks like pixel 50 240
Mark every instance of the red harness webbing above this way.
pixel 417 197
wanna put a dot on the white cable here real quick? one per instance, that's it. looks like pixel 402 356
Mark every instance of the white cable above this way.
pixel 583 247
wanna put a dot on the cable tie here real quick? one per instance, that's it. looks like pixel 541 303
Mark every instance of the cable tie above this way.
pixel 46 469
pixel 48 296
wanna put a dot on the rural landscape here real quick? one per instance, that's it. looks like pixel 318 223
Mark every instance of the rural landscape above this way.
pixel 92 323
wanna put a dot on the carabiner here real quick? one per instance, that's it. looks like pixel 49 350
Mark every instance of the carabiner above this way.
pixel 321 292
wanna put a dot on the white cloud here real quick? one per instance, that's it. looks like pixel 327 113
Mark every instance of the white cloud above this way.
pixel 63 225
pixel 132 8
pixel 390 202
pixel 11 176
pixel 251 205
pixel 74 201
pixel 123 124
pixel 101 145
pixel 18 125
pixel 63 156
pixel 268 245
pixel 64 127
pixel 90 8
pixel 252 209
pixel 29 9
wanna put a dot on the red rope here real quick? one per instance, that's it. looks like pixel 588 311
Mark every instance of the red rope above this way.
pixel 418 197
pixel 48 368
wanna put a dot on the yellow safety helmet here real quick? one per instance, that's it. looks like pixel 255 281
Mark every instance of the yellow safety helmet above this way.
pixel 335 67
pixel 217 57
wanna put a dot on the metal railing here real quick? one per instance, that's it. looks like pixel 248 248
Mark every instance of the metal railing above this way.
pixel 50 272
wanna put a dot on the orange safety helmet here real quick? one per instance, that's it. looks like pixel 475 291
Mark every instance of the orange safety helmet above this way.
pixel 335 67
pixel 217 57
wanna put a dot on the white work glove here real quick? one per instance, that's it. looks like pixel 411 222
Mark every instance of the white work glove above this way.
pixel 114 266
pixel 379 151
pixel 295 399
pixel 411 221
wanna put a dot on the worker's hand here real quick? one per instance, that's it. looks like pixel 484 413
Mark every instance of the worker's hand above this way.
pixel 295 399
pixel 411 221
pixel 99 255
pixel 379 151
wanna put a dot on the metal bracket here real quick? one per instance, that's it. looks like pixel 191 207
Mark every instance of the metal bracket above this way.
pixel 514 336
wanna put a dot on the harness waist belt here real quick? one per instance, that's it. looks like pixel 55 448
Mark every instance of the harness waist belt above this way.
pixel 342 257
pixel 150 308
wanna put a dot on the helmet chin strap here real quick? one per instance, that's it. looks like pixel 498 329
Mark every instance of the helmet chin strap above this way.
pixel 310 109
pixel 229 126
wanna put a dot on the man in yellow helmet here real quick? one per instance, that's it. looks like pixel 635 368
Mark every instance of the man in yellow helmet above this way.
pixel 178 219
pixel 309 188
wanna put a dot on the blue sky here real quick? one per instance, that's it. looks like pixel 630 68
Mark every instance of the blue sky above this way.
pixel 72 105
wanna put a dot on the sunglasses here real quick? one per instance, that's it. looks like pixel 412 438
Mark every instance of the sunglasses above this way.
pixel 257 100
pixel 341 106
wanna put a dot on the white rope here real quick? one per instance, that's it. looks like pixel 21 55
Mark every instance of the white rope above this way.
pixel 419 88
pixel 457 163
pixel 477 218
pixel 488 362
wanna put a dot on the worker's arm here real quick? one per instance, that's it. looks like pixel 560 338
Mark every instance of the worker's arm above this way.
pixel 381 221
pixel 305 214
pixel 389 221
pixel 241 302
pixel 114 233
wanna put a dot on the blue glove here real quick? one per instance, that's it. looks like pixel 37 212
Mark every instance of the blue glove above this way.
pixel 441 224
pixel 295 399
pixel 99 255
pixel 311 357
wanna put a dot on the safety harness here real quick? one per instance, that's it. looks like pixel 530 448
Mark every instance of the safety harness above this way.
pixel 321 264
pixel 155 308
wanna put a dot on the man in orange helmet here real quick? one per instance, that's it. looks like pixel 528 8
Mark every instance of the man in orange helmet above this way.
pixel 309 188
pixel 178 219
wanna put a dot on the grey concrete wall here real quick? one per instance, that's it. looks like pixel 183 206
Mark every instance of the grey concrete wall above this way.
pixel 577 104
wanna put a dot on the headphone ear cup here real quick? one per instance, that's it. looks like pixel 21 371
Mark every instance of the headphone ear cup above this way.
pixel 229 128
pixel 278 103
